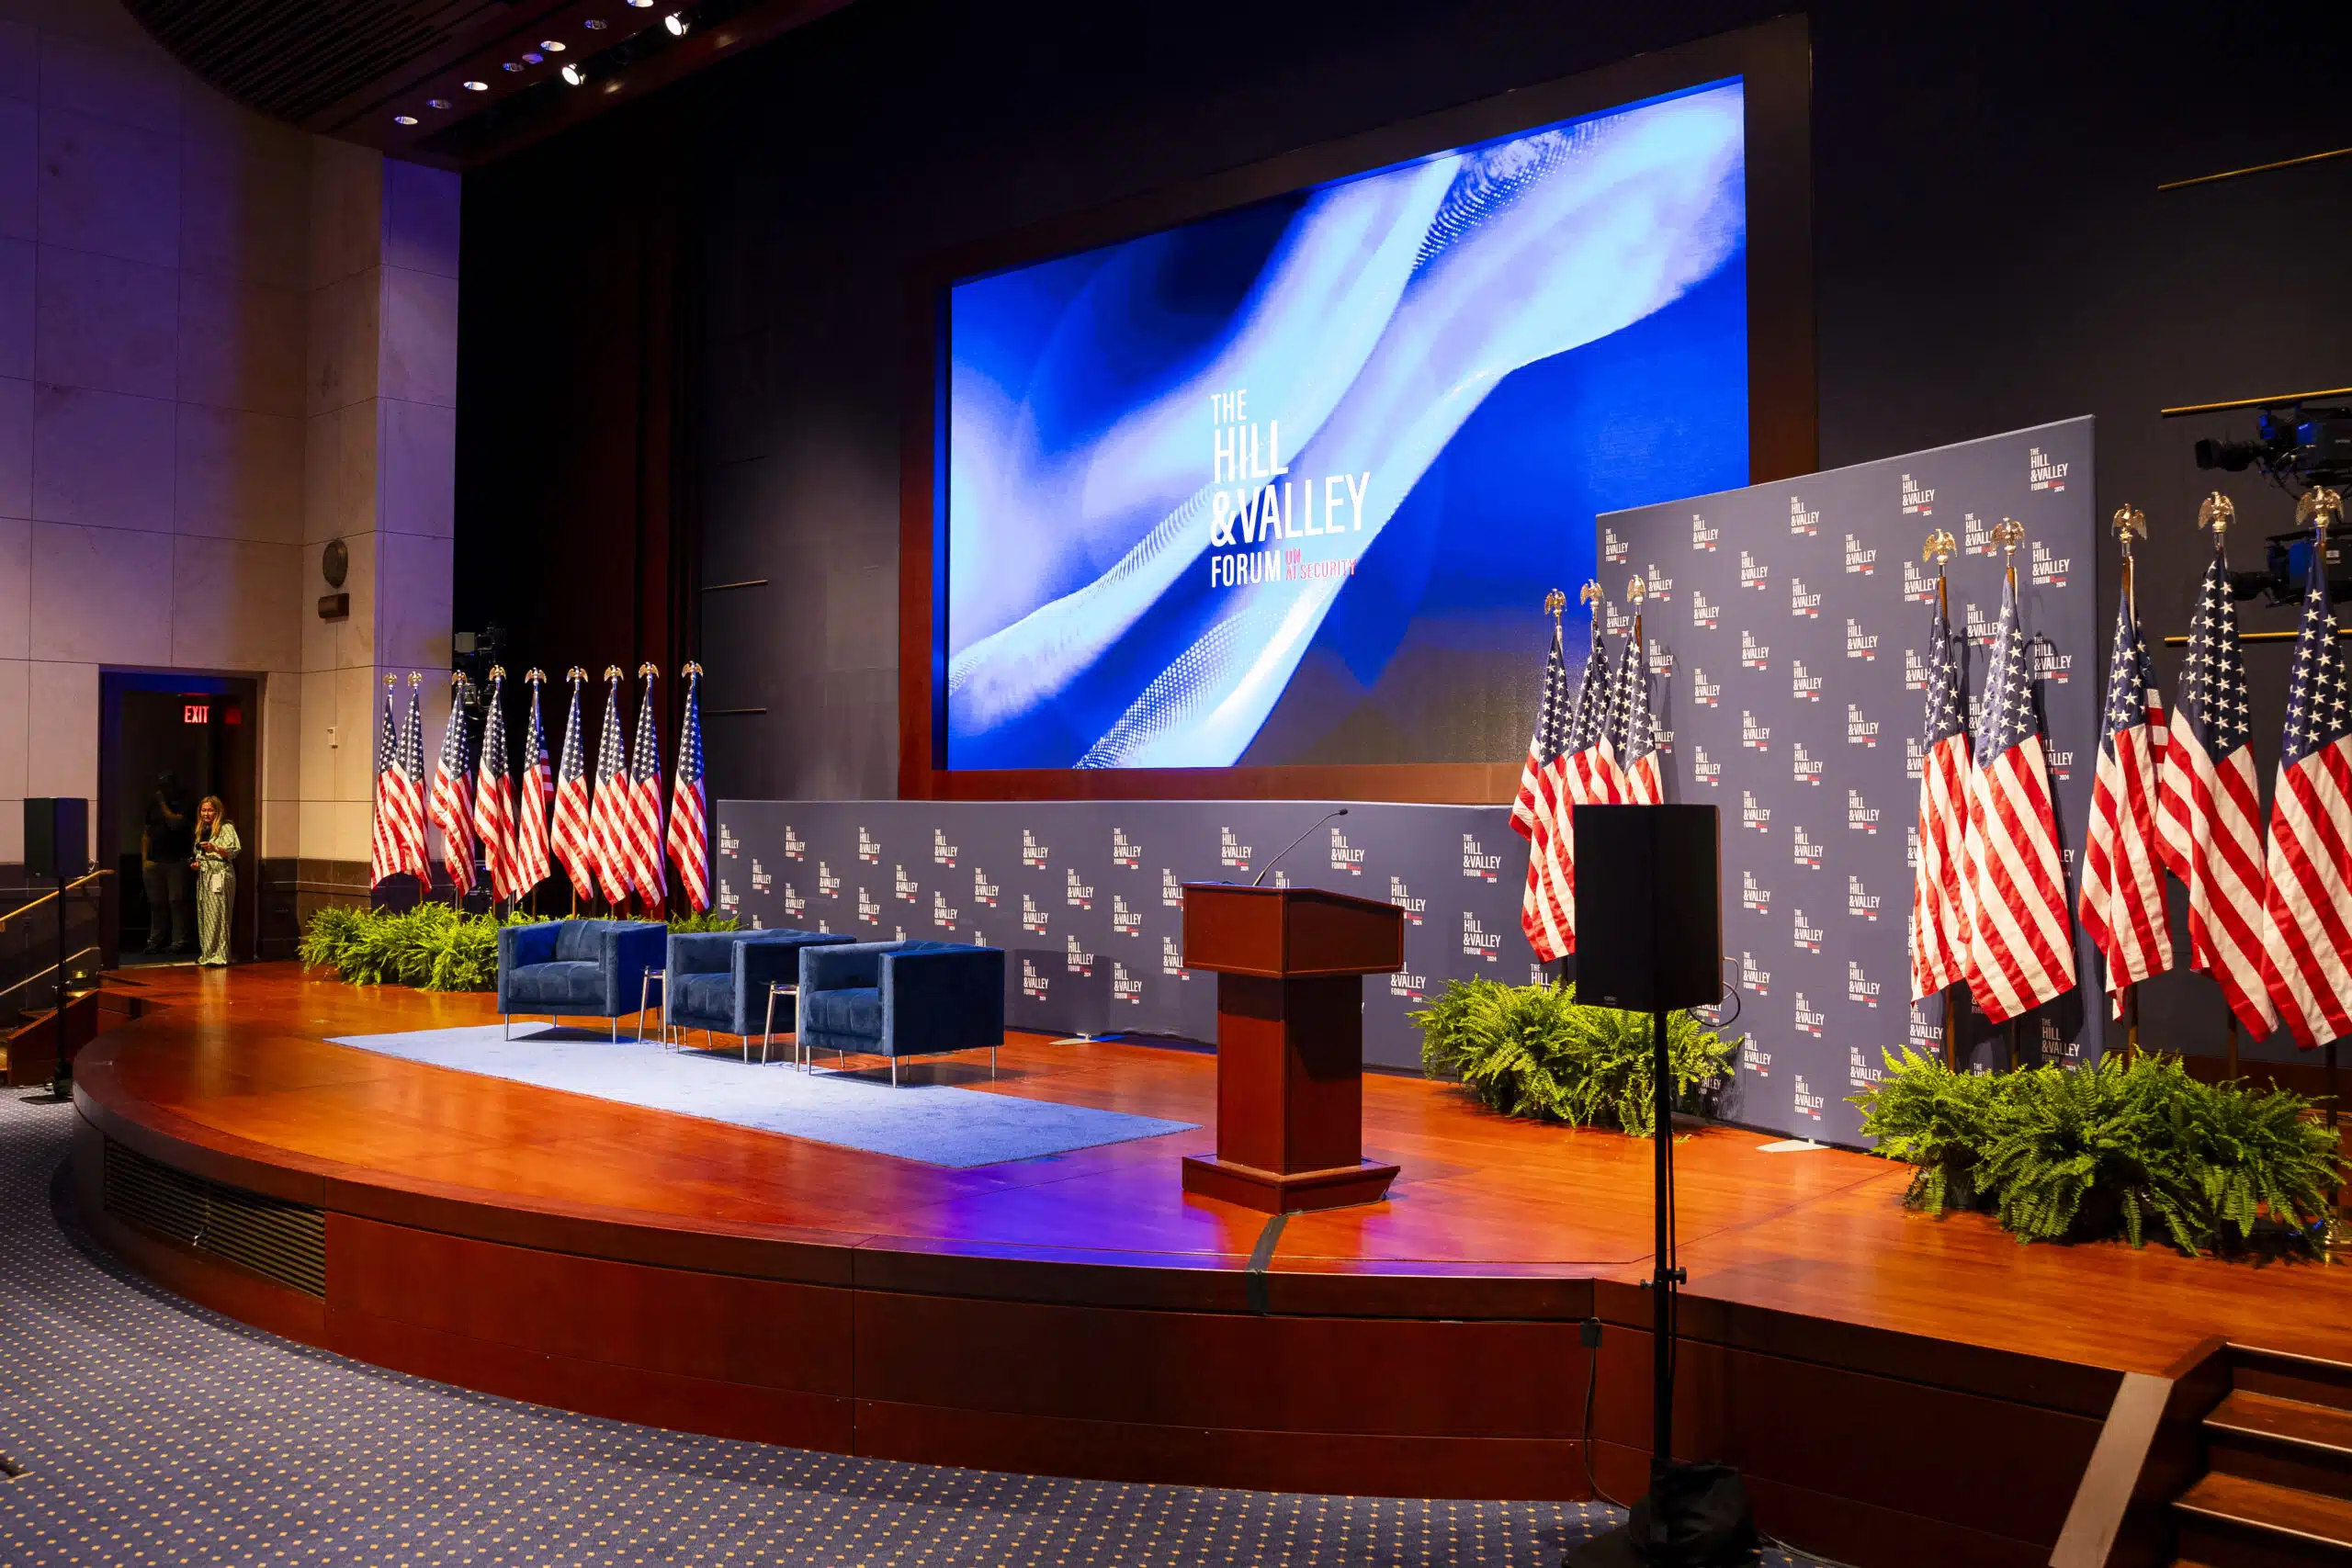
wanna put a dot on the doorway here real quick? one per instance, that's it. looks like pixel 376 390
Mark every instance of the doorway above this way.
pixel 165 741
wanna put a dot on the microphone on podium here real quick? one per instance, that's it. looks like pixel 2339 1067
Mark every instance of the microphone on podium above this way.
pixel 1292 845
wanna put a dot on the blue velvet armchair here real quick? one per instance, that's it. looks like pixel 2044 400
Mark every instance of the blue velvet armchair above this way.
pixel 577 968
pixel 721 981
pixel 902 999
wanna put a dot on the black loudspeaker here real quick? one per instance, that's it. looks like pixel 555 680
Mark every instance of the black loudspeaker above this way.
pixel 57 838
pixel 1649 906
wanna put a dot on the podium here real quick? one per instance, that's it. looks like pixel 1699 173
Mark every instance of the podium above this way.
pixel 1290 963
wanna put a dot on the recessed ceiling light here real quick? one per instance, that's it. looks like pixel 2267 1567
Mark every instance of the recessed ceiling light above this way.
pixel 403 120
pixel 477 86
pixel 553 46
pixel 533 56
pixel 677 22
pixel 436 103
pixel 573 74
pixel 594 24
pixel 642 4
pixel 512 65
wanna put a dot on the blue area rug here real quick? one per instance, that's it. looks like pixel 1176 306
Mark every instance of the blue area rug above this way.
pixel 930 1123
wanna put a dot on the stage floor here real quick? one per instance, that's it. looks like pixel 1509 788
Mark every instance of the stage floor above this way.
pixel 1804 1265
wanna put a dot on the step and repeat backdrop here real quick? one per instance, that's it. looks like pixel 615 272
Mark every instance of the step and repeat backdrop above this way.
pixel 1086 897
pixel 1786 627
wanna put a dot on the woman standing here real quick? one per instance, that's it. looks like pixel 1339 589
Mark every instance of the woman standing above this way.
pixel 216 848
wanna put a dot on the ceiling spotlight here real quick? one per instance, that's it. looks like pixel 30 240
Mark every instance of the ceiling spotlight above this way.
pixel 640 5
pixel 594 24
pixel 533 56
pixel 403 120
pixel 436 103
pixel 512 65
pixel 477 86
pixel 553 46
pixel 677 22
pixel 572 74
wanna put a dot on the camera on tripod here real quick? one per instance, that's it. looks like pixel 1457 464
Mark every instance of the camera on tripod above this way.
pixel 2298 445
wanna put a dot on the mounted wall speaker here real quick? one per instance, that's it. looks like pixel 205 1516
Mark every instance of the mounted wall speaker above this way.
pixel 1649 906
pixel 57 838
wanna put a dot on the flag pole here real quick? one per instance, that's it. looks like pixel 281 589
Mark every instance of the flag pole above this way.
pixel 1940 545
pixel 2130 521
pixel 2009 533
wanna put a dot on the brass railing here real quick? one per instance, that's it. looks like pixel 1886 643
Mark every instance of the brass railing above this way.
pixel 52 894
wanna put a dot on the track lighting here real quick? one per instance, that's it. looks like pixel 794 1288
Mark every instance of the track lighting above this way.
pixel 677 22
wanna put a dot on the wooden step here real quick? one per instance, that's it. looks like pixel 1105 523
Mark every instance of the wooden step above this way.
pixel 2287 1442
pixel 2235 1521
pixel 2286 1375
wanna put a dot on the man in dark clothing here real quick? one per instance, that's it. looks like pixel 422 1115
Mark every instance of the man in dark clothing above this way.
pixel 165 848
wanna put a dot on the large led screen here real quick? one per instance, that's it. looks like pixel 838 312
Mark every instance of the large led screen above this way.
pixel 1287 484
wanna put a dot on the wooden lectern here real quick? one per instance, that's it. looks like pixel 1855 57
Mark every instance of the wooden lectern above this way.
pixel 1290 963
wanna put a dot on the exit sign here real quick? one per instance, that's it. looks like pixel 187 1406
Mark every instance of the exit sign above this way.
pixel 196 713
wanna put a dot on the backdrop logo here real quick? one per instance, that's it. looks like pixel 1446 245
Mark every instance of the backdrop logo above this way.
pixel 1617 620
pixel 1859 1074
pixel 729 846
pixel 1803 1101
pixel 1613 549
pixel 1033 980
pixel 1861 900
pixel 1033 918
pixel 1804 769
pixel 1915 758
pixel 1753 573
pixel 1408 985
pixel 942 851
pixel 1172 892
pixel 2043 472
pixel 1343 857
pixel 1402 896
pixel 1858 986
pixel 869 908
pixel 943 914
pixel 1754 896
pixel 1076 894
pixel 1703 615
pixel 1919 500
pixel 1703 536
pixel 762 879
pixel 1660 585
pixel 1076 959
pixel 1753 655
pixel 1804 688
pixel 1914 670
pixel 901 884
pixel 1925 1032
pixel 1911 846
pixel 983 890
pixel 794 846
pixel 727 899
pixel 2061 763
pixel 1475 941
pixel 1661 658
pixel 2050 665
pixel 1752 815
pixel 794 904
pixel 1125 987
pixel 1125 853
pixel 1803 851
pixel 2049 570
pixel 1477 861
pixel 1754 1058
pixel 1860 644
pixel 1806 935
pixel 1803 604
pixel 1705 692
pixel 1231 853
pixel 1917 585
pixel 1859 559
pixel 1704 770
pixel 1172 959
pixel 1804 523
pixel 1809 1018
pixel 1859 731
pixel 1755 737
pixel 1033 852
pixel 869 848
pixel 1753 977
pixel 828 884
pixel 1123 920
pixel 1860 817
pixel 1975 535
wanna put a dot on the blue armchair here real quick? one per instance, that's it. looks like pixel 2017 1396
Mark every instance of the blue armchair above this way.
pixel 722 981
pixel 902 999
pixel 577 970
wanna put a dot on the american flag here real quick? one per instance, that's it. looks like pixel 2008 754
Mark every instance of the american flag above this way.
pixel 689 839
pixel 608 817
pixel 1938 883
pixel 2208 811
pixel 495 798
pixel 644 803
pixel 531 793
pixel 2307 912
pixel 1644 781
pixel 410 784
pixel 448 809
pixel 2020 944
pixel 1540 815
pixel 1592 748
pixel 2122 904
pixel 573 837
pixel 387 841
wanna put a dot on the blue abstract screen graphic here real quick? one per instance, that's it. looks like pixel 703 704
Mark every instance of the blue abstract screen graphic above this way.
pixel 1287 484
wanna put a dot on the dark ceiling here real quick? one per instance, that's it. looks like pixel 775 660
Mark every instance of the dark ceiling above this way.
pixel 455 83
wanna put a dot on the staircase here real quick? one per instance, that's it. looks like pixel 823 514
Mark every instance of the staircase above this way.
pixel 2277 1487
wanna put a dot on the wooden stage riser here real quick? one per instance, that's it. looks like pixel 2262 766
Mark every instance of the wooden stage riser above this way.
pixel 1276 1402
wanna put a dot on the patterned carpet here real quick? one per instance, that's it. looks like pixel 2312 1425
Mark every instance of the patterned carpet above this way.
pixel 152 1432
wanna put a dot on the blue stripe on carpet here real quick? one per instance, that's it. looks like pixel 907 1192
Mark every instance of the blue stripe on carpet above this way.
pixel 930 1123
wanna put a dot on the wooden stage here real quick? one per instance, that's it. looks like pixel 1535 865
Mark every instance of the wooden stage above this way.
pixel 1897 1389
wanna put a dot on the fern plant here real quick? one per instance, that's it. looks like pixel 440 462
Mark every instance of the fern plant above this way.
pixel 1533 1051
pixel 1935 1119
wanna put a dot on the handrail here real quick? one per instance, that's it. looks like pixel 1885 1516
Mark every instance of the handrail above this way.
pixel 48 971
pixel 102 871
